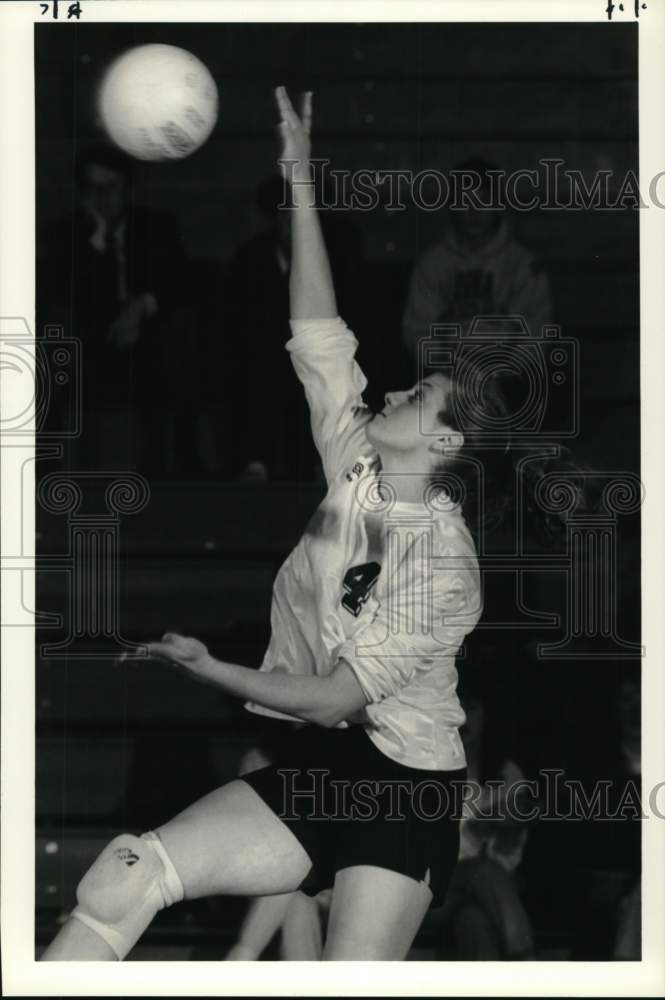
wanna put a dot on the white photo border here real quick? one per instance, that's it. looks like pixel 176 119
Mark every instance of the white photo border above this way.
pixel 22 975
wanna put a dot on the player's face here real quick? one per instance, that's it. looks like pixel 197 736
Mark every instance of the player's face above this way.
pixel 410 419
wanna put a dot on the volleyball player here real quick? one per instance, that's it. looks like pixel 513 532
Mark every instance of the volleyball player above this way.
pixel 368 613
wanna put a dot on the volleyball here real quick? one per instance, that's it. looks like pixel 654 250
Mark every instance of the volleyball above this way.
pixel 158 102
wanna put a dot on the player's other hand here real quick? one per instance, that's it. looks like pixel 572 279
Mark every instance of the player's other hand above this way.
pixel 295 131
pixel 181 650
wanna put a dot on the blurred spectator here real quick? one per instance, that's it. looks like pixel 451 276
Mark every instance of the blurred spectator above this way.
pixel 606 849
pixel 476 269
pixel 115 275
pixel 483 917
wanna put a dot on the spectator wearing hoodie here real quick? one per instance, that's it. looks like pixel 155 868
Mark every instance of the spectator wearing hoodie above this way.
pixel 476 269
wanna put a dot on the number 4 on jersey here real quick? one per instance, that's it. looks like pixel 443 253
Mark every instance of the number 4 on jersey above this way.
pixel 358 583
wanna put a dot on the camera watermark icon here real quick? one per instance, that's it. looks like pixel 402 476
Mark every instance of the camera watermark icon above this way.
pixel 41 411
pixel 539 371
pixel 41 381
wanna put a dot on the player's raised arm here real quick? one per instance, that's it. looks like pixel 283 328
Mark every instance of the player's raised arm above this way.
pixel 322 348
pixel 311 287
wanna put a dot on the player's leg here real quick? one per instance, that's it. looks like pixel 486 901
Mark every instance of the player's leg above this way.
pixel 76 942
pixel 263 919
pixel 229 842
pixel 117 898
pixel 375 914
pixel 302 938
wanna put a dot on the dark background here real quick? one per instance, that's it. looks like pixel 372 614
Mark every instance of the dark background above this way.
pixel 388 97
pixel 120 749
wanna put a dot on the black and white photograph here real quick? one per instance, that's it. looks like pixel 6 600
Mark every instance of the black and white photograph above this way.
pixel 332 471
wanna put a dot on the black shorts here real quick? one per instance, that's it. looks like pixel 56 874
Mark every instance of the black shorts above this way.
pixel 349 804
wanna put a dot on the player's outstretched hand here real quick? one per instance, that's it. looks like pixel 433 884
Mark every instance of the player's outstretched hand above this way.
pixel 181 650
pixel 295 132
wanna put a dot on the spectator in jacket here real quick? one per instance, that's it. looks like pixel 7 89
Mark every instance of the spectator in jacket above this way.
pixel 475 269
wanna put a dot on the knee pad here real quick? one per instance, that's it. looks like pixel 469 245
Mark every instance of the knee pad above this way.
pixel 131 880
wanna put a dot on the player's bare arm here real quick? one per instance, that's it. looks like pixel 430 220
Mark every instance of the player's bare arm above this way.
pixel 311 286
pixel 324 701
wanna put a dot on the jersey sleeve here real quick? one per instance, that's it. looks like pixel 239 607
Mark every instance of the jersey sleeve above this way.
pixel 428 611
pixel 323 355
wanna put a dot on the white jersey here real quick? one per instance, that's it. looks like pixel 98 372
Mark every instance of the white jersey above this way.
pixel 398 624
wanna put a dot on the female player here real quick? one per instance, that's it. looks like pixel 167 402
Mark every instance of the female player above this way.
pixel 368 613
